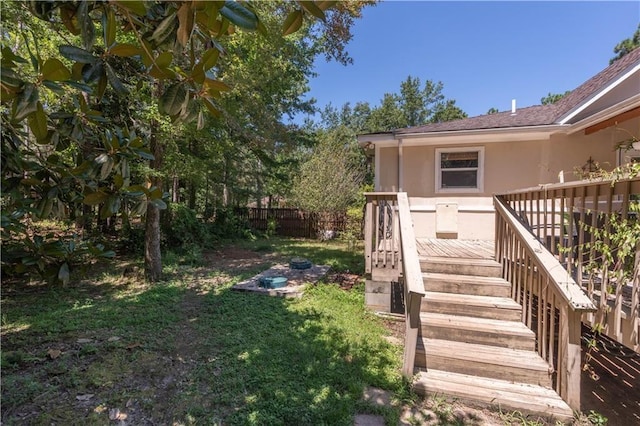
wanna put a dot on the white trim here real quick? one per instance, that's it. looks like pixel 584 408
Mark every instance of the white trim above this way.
pixel 479 178
pixel 599 95
pixel 605 114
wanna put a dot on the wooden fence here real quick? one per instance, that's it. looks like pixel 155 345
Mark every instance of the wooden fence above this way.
pixel 290 222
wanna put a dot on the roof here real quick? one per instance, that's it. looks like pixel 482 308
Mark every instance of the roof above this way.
pixel 537 115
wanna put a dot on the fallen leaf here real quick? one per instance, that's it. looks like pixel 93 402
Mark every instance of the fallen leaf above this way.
pixel 83 341
pixel 84 397
pixel 134 345
pixel 116 414
pixel 113 339
pixel 129 403
pixel 100 409
pixel 54 353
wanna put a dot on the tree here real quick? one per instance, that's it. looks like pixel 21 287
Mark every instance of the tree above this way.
pixel 174 49
pixel 493 110
pixel 330 180
pixel 626 46
pixel 447 111
pixel 552 98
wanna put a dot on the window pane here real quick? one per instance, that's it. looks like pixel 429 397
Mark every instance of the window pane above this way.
pixel 457 160
pixel 459 178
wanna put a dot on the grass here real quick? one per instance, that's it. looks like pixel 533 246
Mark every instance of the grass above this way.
pixel 191 351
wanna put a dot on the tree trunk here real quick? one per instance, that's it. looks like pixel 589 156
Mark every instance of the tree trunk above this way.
pixel 175 198
pixel 152 254
pixel 192 194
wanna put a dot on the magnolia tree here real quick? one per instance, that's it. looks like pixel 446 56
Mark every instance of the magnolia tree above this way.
pixel 87 89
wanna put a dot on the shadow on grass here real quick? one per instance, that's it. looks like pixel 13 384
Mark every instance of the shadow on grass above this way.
pixel 193 354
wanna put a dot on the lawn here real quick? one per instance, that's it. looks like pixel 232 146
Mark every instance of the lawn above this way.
pixel 189 350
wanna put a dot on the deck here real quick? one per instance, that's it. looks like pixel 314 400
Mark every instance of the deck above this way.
pixel 461 249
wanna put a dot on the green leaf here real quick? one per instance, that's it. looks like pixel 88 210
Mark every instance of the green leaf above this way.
pixel 292 23
pixel 313 9
pixel 63 273
pixel 80 86
pixel 26 103
pixel 158 203
pixel 125 50
pixel 95 198
pixel 137 7
pixel 115 81
pixel 326 4
pixel 165 29
pixel 211 107
pixel 216 85
pixel 93 72
pixel 210 58
pixel 54 70
pixel 38 125
pixel 106 168
pixel 143 153
pixel 54 87
pixel 174 99
pixel 77 54
pixel 164 59
pixel 239 15
pixel 108 26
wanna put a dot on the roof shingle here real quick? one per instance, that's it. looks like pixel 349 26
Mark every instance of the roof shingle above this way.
pixel 537 115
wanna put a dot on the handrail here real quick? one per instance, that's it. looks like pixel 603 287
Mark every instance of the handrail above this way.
pixel 548 294
pixel 575 185
pixel 388 216
pixel 413 283
pixel 565 285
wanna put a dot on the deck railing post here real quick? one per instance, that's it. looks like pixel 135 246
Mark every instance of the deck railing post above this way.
pixel 571 367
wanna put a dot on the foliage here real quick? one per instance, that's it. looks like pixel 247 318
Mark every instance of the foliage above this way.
pixel 597 419
pixel 228 225
pixel 77 77
pixel 626 46
pixel 493 110
pixel 330 180
pixel 552 98
pixel 181 227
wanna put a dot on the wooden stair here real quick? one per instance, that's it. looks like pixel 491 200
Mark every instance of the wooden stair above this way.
pixel 472 344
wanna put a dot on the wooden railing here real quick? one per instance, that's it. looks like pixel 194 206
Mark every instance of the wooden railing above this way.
pixel 552 302
pixel 390 247
pixel 579 223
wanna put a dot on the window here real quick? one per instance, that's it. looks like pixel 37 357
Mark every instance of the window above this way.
pixel 459 169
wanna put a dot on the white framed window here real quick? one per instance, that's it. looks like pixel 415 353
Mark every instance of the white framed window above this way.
pixel 460 169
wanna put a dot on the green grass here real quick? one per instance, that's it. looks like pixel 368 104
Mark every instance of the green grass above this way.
pixel 191 351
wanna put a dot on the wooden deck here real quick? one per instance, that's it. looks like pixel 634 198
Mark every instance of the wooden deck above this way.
pixel 462 249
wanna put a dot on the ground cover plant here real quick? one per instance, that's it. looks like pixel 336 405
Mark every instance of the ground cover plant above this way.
pixel 188 350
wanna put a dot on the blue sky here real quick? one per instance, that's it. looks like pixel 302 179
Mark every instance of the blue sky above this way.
pixel 485 53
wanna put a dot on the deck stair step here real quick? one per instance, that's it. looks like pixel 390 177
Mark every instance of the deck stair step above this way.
pixel 452 265
pixel 495 362
pixel 505 394
pixel 503 308
pixel 466 284
pixel 485 331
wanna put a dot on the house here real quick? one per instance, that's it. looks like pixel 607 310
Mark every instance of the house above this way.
pixel 499 320
pixel 451 170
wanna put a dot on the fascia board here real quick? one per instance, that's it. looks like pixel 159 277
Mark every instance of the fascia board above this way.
pixel 585 104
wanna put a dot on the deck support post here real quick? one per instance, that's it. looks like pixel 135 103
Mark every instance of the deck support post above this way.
pixel 571 362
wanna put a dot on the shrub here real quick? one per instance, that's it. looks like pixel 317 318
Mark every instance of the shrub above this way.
pixel 181 227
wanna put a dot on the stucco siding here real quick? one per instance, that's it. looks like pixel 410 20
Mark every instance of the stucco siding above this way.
pixel 387 172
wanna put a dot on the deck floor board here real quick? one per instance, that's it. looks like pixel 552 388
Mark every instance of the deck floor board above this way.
pixel 465 249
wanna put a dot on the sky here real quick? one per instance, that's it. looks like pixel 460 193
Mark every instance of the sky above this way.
pixel 484 53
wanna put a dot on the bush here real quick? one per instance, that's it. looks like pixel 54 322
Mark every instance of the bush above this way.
pixel 182 228
pixel 228 225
